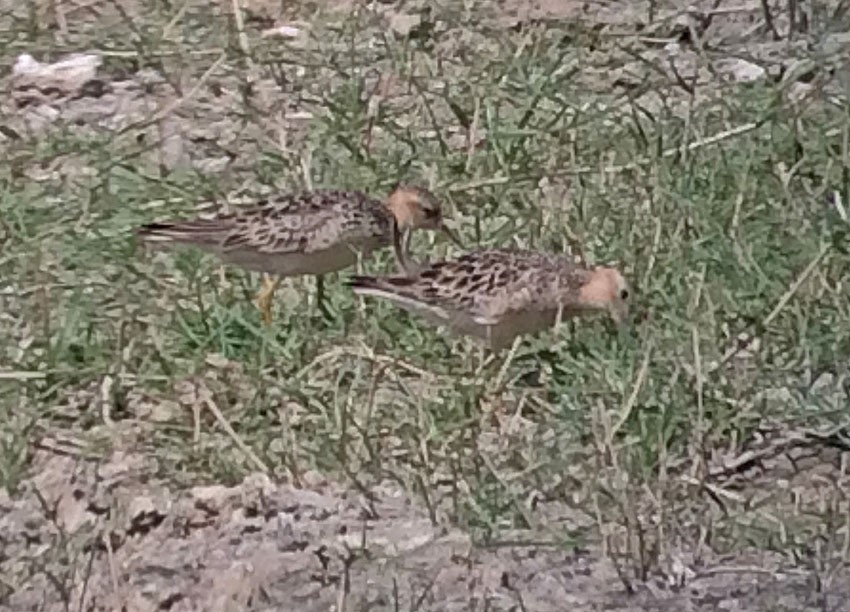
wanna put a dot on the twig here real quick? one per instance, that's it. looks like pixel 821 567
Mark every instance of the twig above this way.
pixel 366 354
pixel 748 569
pixel 680 80
pixel 718 491
pixel 472 134
pixel 768 19
pixel 653 253
pixel 166 31
pixel 232 433
pixel 106 401
pixel 530 522
pixel 174 105
pixel 425 592
pixel 22 375
pixel 158 54
pixel 613 169
pixel 240 30
pixel 196 423
pixel 110 556
pixel 345 583
pixel 498 180
pixel 780 306
pixel 504 369
pixel 626 412
pixel 85 589
pixel 700 379
pixel 697 144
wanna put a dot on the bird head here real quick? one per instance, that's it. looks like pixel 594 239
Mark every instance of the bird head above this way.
pixel 417 208
pixel 606 289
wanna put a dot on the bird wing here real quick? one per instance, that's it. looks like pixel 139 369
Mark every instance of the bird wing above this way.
pixel 200 232
pixel 483 286
pixel 308 222
pixel 296 222
pixel 403 293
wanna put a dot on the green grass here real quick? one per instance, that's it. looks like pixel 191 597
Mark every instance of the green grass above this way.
pixel 711 234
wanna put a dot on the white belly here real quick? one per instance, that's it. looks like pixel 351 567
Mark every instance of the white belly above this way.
pixel 502 334
pixel 294 264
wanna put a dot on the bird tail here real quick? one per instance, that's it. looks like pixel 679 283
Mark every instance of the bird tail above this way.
pixel 388 287
pixel 400 290
pixel 200 232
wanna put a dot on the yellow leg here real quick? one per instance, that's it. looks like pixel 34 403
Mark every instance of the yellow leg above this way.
pixel 265 297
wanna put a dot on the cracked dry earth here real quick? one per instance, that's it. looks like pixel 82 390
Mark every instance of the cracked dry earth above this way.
pixel 85 535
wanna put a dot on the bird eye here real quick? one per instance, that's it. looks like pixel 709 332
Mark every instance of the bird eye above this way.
pixel 624 294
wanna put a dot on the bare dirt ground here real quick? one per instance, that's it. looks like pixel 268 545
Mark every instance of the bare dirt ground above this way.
pixel 107 531
pixel 106 536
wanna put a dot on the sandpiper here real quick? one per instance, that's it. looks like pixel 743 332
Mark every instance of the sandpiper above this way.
pixel 496 295
pixel 313 232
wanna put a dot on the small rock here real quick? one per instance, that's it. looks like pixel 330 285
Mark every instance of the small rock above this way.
pixel 740 71
pixel 141 505
pixel 258 482
pixel 25 64
pixel 833 45
pixel 402 23
pixel 797 91
pixel 281 31
pixel 172 150
pixel 67 75
pixel 672 49
pixel 823 384
pixel 213 495
pixel 313 479
pixel 71 512
pixel 217 360
pixel 165 411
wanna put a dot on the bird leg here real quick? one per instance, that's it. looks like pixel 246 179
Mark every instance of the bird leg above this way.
pixel 265 296
pixel 401 242
pixel 486 355
pixel 405 242
pixel 320 297
pixel 501 378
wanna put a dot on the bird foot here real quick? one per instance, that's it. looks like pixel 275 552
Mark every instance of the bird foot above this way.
pixel 264 298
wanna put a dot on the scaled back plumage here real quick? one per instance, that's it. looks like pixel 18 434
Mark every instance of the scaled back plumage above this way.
pixel 302 222
pixel 499 293
pixel 309 232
